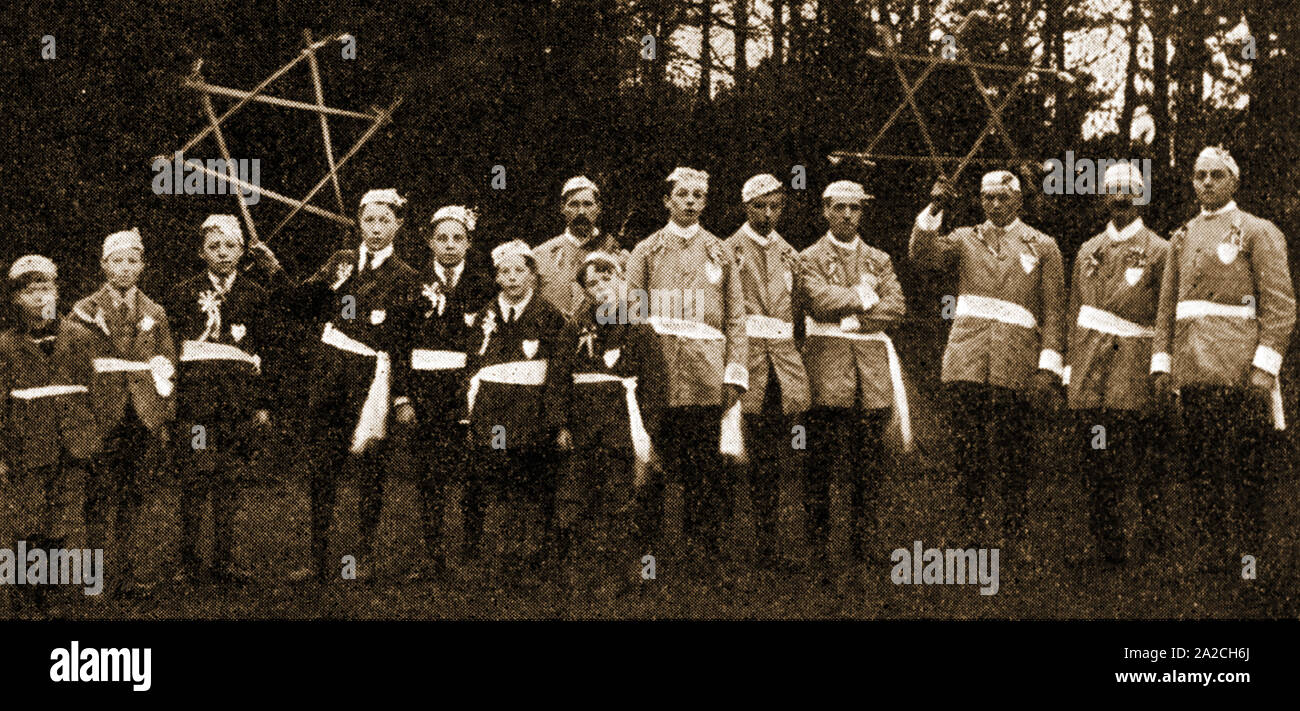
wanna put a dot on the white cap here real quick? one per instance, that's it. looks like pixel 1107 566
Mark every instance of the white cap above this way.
pixel 1123 176
pixel 759 185
pixel 683 176
pixel 513 248
pixel 601 257
pixel 226 224
pixel 459 213
pixel 128 239
pixel 1217 157
pixel 996 179
pixel 845 190
pixel 33 264
pixel 581 182
pixel 387 196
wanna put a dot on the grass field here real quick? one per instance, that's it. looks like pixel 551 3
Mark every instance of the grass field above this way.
pixel 1052 575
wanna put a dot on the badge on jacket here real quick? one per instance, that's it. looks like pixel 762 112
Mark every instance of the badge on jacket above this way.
pixel 611 357
pixel 713 272
pixel 237 331
pixel 146 323
pixel 530 347
pixel 1028 262
pixel 377 316
pixel 1132 274
pixel 1227 252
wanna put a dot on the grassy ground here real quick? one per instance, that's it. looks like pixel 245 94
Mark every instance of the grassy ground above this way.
pixel 1051 575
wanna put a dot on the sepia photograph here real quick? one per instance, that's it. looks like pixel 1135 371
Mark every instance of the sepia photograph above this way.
pixel 851 311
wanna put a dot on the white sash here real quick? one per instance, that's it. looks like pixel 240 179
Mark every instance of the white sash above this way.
pixel 207 350
pixel 517 372
pixel 987 307
pixel 372 425
pixel 159 367
pixel 640 438
pixel 1201 309
pixel 895 370
pixel 425 359
pixel 47 391
pixel 684 328
pixel 1106 322
pixel 767 327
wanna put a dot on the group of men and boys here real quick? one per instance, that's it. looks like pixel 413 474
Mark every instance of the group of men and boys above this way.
pixel 567 388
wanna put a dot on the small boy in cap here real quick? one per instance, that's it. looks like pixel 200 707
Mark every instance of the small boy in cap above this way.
pixel 512 434
pixel 45 423
pixel 225 322
pixel 607 391
pixel 130 395
pixel 453 288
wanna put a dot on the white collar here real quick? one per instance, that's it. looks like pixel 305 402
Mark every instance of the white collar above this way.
pixel 760 240
pixel 1232 205
pixel 847 246
pixel 223 285
pixel 1124 234
pixel 380 257
pixel 595 232
pixel 519 307
pixel 441 271
pixel 685 233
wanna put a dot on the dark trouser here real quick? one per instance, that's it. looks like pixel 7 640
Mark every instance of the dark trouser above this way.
pixel 36 509
pixel 1228 432
pixel 772 460
pixel 440 458
pixel 115 476
pixel 688 443
pixel 993 441
pixel 594 508
pixel 1130 452
pixel 845 446
pixel 210 471
pixel 333 456
pixel 519 482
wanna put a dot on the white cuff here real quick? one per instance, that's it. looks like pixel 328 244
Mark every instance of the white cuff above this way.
pixel 1050 360
pixel 1267 360
pixel 399 401
pixel 1159 362
pixel 929 221
pixel 736 374
pixel 1065 376
pixel 868 295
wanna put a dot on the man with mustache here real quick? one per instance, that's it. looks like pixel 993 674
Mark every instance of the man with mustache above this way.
pixel 559 259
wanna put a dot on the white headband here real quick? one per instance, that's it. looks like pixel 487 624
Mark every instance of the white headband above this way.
pixel 1214 156
pixel 759 185
pixel 1123 175
pixel 33 264
pixel 226 224
pixel 683 176
pixel 581 182
pixel 513 248
pixel 459 213
pixel 128 239
pixel 999 179
pixel 387 196
pixel 845 190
